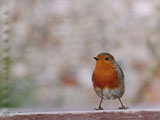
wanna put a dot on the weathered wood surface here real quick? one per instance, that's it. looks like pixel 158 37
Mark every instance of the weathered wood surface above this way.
pixel 86 115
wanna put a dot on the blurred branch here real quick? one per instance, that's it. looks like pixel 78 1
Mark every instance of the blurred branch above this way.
pixel 5 60
pixel 153 72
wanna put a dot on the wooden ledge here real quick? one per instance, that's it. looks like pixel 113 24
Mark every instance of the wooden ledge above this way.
pixel 131 114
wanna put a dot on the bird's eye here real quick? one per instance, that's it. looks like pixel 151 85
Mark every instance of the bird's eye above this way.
pixel 95 58
pixel 106 58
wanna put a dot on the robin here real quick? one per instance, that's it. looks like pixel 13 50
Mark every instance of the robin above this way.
pixel 108 79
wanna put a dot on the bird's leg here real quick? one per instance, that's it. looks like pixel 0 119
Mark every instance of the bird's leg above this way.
pixel 100 108
pixel 122 106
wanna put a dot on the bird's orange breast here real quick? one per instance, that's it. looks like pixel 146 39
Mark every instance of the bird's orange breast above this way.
pixel 105 76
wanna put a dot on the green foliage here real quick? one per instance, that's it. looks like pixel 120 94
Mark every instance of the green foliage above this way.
pixel 14 92
pixel 4 77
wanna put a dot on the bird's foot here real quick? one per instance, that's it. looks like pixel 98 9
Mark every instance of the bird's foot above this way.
pixel 122 107
pixel 100 108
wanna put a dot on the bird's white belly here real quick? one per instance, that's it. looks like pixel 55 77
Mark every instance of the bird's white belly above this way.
pixel 110 94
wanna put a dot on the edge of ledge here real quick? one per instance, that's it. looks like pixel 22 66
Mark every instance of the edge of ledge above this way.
pixel 10 114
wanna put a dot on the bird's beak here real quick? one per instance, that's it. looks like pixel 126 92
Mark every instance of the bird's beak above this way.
pixel 95 58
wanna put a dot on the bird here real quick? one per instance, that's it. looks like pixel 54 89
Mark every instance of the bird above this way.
pixel 108 79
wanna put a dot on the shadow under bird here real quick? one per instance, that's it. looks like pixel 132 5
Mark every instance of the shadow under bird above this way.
pixel 108 79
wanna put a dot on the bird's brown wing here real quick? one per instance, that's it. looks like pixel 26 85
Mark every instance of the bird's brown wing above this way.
pixel 92 77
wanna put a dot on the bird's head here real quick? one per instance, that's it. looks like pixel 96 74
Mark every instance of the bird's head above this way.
pixel 104 60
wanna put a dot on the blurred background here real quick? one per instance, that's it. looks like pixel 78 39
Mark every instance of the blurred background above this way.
pixel 47 49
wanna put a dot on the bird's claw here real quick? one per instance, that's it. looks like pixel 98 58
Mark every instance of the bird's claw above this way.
pixel 122 107
pixel 100 108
